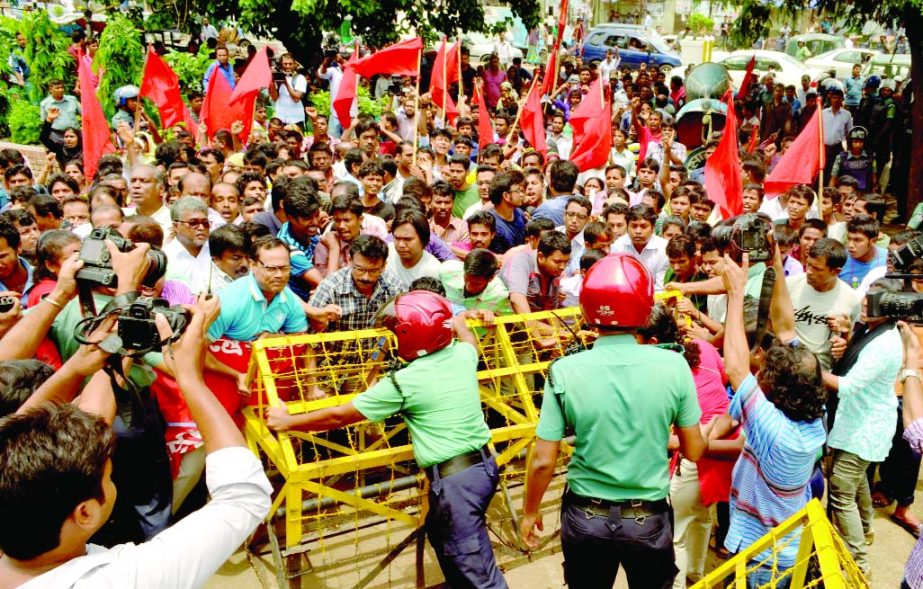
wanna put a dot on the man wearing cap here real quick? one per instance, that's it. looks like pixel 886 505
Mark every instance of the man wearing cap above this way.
pixel 884 114
pixel 855 162
pixel 614 511
pixel 837 123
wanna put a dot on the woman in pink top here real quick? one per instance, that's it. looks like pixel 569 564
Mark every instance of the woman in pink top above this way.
pixel 493 77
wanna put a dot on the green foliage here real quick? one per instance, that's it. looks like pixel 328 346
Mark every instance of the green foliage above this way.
pixel 25 122
pixel 120 57
pixel 321 101
pixel 700 24
pixel 46 53
pixel 752 24
pixel 189 68
pixel 367 104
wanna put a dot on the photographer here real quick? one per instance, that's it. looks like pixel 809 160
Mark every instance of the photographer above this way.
pixel 862 420
pixel 286 90
pixel 56 500
pixel 780 411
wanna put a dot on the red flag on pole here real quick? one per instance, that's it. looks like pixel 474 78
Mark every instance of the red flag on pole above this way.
pixel 800 162
pixel 549 82
pixel 531 120
pixel 485 129
pixel 346 95
pixel 592 125
pixel 400 59
pixel 161 86
pixel 722 170
pixel 97 140
pixel 748 79
pixel 445 72
pixel 562 23
pixel 218 112
pixel 257 76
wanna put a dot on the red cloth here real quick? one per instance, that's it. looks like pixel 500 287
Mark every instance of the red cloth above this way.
pixel 722 170
pixel 400 59
pixel 710 381
pixel 346 94
pixel 257 76
pixel 562 23
pixel 446 58
pixel 485 128
pixel 218 112
pixel 161 86
pixel 801 161
pixel 97 140
pixel 551 72
pixel 592 125
pixel 748 79
pixel 532 122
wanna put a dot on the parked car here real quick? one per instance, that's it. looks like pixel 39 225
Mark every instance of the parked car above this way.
pixel 817 43
pixel 840 60
pixel 636 45
pixel 786 68
pixel 481 46
pixel 888 65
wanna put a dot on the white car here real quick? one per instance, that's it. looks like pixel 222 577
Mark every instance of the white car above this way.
pixel 842 60
pixel 786 68
pixel 481 46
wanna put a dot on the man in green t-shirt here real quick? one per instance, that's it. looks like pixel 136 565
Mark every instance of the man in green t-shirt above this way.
pixel 438 397
pixel 619 400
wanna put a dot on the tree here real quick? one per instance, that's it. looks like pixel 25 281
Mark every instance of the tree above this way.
pixel 909 15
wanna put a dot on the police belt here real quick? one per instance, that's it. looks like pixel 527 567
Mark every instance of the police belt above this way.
pixel 457 464
pixel 628 509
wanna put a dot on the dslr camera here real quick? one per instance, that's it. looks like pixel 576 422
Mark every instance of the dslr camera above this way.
pixel 136 323
pixel 748 234
pixel 97 263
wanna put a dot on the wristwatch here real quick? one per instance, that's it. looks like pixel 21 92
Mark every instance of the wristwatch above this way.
pixel 910 372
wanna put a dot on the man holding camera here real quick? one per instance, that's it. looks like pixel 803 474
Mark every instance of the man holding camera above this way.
pixel 286 90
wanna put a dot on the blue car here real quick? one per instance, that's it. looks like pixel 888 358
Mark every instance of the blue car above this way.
pixel 636 45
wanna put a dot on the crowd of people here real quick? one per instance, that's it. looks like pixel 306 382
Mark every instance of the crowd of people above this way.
pixel 766 376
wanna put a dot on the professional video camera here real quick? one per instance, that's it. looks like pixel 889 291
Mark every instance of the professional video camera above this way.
pixel 97 262
pixel 748 234
pixel 904 306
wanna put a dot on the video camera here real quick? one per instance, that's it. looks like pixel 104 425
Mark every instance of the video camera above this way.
pixel 97 262
pixel 903 306
pixel 748 234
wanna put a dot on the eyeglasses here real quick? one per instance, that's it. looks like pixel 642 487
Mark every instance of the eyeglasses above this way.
pixel 576 215
pixel 275 269
pixel 204 223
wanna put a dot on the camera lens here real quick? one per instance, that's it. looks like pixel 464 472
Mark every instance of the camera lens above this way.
pixel 157 268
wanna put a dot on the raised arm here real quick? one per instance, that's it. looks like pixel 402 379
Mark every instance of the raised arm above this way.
pixel 736 350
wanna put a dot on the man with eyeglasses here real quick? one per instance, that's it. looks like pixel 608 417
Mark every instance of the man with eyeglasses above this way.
pixel 260 304
pixel 188 257
pixel 576 215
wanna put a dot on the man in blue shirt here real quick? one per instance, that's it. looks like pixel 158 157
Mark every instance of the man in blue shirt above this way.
pixel 563 180
pixel 15 273
pixel 507 192
pixel 861 233
pixel 300 233
pixel 220 64
pixel 854 90
pixel 260 303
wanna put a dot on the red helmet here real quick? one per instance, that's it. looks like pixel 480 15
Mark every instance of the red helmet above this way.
pixel 421 320
pixel 617 292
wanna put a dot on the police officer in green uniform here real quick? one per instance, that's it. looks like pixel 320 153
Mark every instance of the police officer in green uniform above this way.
pixel 438 397
pixel 619 400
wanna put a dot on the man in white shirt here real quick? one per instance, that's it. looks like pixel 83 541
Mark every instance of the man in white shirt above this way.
pixel 407 256
pixel 330 70
pixel 610 63
pixel 837 123
pixel 287 93
pixel 819 294
pixel 55 500
pixel 147 188
pixel 188 256
pixel 641 243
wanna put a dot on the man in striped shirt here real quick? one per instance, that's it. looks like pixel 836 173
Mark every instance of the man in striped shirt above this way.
pixel 784 431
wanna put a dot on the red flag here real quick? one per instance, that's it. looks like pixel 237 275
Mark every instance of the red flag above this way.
pixel 400 59
pixel 531 120
pixel 748 78
pixel 485 129
pixel 97 140
pixel 445 72
pixel 161 85
pixel 800 162
pixel 562 23
pixel 722 169
pixel 218 112
pixel 549 82
pixel 592 125
pixel 346 94
pixel 257 76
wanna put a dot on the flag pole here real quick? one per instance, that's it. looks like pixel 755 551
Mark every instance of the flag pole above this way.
pixel 445 84
pixel 461 81
pixel 822 153
pixel 416 108
pixel 519 111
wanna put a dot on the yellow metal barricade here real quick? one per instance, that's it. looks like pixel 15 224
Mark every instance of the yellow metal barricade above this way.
pixel 822 561
pixel 331 477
